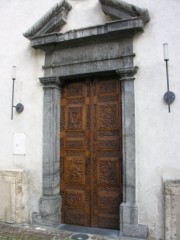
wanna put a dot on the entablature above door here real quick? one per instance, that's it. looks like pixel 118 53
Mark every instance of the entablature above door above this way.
pixel 125 18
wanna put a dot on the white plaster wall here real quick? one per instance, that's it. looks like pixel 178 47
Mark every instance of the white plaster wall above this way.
pixel 157 131
pixel 84 13
pixel 16 17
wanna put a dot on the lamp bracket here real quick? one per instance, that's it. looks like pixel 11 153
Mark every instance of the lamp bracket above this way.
pixel 19 107
pixel 169 97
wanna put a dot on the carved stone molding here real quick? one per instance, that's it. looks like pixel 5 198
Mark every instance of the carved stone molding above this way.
pixel 127 73
pixel 52 21
pixel 122 10
pixel 51 82
pixel 90 35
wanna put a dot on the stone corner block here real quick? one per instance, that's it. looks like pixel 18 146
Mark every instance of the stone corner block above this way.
pixel 172 187
pixel 135 231
pixel 49 214
pixel 172 209
pixel 14 186
pixel 129 213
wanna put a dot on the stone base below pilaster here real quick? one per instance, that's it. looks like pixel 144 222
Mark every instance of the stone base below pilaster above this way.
pixel 129 222
pixel 135 231
pixel 49 211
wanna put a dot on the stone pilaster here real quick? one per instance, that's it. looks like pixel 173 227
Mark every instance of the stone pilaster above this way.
pixel 50 202
pixel 129 209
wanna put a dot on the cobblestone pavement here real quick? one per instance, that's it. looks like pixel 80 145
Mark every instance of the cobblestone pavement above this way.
pixel 26 232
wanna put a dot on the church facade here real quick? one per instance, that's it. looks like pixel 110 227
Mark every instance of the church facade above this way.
pixel 90 134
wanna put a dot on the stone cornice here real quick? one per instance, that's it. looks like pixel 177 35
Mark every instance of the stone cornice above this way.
pixel 122 10
pixel 127 18
pixel 54 19
pixel 88 35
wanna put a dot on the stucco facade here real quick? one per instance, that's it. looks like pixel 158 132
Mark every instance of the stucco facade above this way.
pixel 157 132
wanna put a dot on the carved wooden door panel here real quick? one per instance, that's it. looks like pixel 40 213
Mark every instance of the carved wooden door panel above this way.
pixel 91 184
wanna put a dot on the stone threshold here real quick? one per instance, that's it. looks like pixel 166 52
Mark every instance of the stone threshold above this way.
pixel 107 233
pixel 61 232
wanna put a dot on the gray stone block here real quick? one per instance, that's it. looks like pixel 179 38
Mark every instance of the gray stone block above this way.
pixel 172 209
pixel 129 214
pixel 135 231
pixel 49 214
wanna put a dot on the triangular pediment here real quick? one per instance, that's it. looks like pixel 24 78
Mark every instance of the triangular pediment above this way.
pixel 56 17
pixel 52 21
pixel 118 9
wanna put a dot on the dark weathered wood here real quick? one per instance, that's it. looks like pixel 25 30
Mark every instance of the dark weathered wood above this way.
pixel 91 184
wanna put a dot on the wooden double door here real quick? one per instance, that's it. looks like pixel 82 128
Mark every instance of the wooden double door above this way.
pixel 91 156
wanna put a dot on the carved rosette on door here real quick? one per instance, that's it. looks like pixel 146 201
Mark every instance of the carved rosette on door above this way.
pixel 91 153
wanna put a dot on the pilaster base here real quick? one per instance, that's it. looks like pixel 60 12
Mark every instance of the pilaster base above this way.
pixel 49 214
pixel 135 231
pixel 129 222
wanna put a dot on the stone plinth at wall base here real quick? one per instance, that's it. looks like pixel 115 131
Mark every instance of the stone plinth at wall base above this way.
pixel 129 222
pixel 135 231
pixel 172 209
pixel 14 191
pixel 49 214
pixel 129 213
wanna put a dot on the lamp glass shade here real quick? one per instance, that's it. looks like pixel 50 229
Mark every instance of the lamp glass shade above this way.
pixel 165 49
pixel 13 72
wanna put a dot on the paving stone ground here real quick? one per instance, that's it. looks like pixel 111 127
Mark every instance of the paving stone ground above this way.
pixel 26 232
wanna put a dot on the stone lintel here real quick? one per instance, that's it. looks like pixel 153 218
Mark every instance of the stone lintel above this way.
pixel 49 214
pixel 95 59
pixel 89 35
pixel 89 60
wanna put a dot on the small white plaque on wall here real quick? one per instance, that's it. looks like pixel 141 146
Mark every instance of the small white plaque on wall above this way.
pixel 19 144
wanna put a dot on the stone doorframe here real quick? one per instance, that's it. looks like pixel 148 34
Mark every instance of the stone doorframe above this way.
pixel 100 50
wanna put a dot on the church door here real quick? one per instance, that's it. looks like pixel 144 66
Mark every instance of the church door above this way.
pixel 91 152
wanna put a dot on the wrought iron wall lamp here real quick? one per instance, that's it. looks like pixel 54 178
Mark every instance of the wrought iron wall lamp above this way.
pixel 19 107
pixel 168 96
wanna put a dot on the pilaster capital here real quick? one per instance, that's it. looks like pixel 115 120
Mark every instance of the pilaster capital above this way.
pixel 127 74
pixel 51 82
